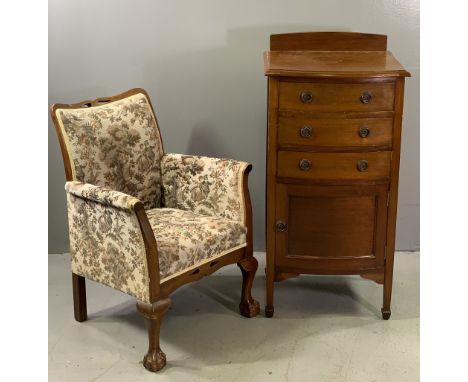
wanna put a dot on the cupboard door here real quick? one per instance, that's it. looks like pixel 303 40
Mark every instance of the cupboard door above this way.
pixel 330 229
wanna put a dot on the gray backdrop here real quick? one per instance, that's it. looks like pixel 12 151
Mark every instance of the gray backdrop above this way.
pixel 201 62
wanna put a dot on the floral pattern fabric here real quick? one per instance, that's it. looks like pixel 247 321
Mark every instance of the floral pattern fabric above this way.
pixel 186 239
pixel 206 186
pixel 106 244
pixel 117 160
pixel 101 195
pixel 116 145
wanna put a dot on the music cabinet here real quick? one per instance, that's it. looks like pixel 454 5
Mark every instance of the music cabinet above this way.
pixel 335 103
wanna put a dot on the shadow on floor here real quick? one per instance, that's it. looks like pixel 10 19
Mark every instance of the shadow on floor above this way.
pixel 204 320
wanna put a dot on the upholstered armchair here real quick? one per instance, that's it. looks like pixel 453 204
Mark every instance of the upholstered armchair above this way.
pixel 143 221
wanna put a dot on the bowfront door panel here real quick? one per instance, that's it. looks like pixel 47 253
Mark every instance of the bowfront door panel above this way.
pixel 330 229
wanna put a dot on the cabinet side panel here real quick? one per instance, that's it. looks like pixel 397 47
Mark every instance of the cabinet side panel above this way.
pixel 393 193
pixel 270 188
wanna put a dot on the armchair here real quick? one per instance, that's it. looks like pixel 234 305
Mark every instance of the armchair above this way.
pixel 145 222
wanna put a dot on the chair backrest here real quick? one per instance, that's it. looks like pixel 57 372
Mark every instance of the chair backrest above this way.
pixel 113 142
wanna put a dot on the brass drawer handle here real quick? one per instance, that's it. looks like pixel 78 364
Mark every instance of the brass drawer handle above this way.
pixel 306 97
pixel 364 132
pixel 281 226
pixel 305 165
pixel 366 97
pixel 305 132
pixel 362 165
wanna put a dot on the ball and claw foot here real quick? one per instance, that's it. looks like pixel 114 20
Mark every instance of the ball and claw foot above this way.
pixel 386 314
pixel 249 308
pixel 155 360
pixel 269 310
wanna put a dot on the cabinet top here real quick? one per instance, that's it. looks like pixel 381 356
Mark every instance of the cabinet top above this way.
pixel 331 54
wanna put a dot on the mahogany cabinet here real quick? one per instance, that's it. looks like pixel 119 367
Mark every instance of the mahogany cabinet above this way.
pixel 335 103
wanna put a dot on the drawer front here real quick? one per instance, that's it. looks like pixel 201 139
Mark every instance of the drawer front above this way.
pixel 305 131
pixel 333 97
pixel 334 166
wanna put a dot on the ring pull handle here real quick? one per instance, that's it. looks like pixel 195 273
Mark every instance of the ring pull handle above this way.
pixel 305 132
pixel 362 165
pixel 366 97
pixel 305 165
pixel 306 97
pixel 281 226
pixel 364 132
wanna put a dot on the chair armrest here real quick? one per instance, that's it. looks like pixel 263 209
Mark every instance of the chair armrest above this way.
pixel 111 241
pixel 209 186
pixel 101 195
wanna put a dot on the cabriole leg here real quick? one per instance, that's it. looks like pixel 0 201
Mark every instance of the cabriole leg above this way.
pixel 248 307
pixel 79 298
pixel 155 359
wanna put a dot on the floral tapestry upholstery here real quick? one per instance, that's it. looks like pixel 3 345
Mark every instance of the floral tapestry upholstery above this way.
pixel 101 195
pixel 186 239
pixel 116 145
pixel 195 205
pixel 206 186
pixel 106 244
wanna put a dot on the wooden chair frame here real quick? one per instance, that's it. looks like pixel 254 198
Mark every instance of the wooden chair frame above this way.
pixel 155 359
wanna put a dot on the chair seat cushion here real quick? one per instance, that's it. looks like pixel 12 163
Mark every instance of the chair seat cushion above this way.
pixel 186 240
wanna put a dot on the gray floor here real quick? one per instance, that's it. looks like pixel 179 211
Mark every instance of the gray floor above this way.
pixel 324 329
